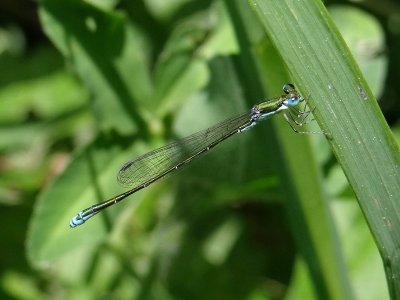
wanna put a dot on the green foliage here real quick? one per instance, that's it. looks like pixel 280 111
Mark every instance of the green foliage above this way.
pixel 268 215
pixel 359 135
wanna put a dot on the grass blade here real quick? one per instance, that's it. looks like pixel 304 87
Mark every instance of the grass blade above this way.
pixel 323 67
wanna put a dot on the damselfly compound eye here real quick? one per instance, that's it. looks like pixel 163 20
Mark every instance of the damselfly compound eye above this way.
pixel 288 87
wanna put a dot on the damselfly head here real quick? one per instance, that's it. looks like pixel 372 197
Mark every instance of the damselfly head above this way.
pixel 293 97
pixel 288 88
pixel 292 101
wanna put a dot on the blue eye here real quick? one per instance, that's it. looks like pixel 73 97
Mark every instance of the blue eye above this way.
pixel 292 101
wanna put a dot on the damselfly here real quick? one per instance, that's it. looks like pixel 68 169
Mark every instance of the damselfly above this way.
pixel 157 164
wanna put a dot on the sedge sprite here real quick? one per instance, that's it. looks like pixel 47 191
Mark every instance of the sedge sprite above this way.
pixel 144 170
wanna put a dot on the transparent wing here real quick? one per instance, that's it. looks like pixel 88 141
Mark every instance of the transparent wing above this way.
pixel 160 161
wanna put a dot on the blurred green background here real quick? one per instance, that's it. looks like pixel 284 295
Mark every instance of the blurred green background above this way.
pixel 88 85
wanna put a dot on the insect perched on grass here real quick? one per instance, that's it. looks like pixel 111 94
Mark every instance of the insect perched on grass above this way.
pixel 157 164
